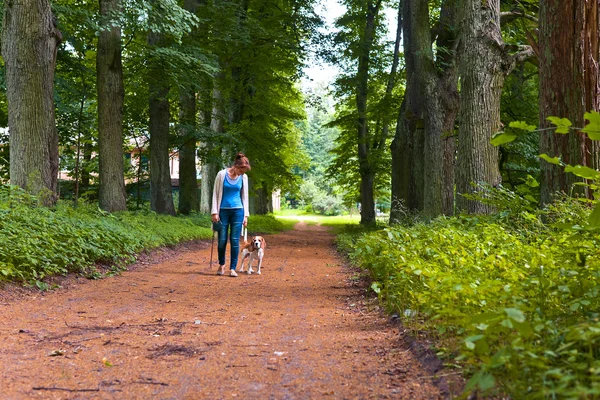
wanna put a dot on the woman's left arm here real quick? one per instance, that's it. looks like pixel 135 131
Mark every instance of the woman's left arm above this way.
pixel 245 201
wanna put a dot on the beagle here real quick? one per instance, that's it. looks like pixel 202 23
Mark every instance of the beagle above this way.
pixel 255 248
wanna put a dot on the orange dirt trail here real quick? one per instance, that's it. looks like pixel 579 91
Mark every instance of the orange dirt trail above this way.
pixel 170 328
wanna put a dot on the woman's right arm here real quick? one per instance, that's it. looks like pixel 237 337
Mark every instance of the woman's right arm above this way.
pixel 214 211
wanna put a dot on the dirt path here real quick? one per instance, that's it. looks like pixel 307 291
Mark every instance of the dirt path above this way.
pixel 172 329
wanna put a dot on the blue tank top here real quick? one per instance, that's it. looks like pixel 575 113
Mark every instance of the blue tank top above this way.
pixel 232 192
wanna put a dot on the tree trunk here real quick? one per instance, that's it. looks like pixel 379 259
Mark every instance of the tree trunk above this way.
pixel 29 45
pixel 367 173
pixel 429 187
pixel 400 150
pixel 447 93
pixel 210 168
pixel 111 95
pixel 161 193
pixel 188 184
pixel 569 80
pixel 482 71
pixel 591 75
pixel 407 146
pixel 264 201
pixel 188 187
pixel 87 158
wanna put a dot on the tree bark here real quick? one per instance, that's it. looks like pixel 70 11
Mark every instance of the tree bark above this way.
pixel 407 146
pixel 188 186
pixel 426 77
pixel 447 94
pixel 367 172
pixel 161 193
pixel 111 95
pixel 29 46
pixel 264 201
pixel 482 70
pixel 401 156
pixel 591 55
pixel 210 168
pixel 87 158
pixel 569 86
pixel 591 77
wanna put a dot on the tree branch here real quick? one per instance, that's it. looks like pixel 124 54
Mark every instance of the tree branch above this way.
pixel 524 53
pixel 509 16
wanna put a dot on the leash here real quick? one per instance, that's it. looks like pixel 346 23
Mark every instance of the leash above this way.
pixel 212 246
pixel 245 234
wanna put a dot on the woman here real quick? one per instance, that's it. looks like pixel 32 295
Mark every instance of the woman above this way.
pixel 230 206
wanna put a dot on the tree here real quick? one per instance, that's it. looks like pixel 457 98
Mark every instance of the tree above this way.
pixel 75 97
pixel 161 199
pixel 260 46
pixel 211 149
pixel 188 187
pixel 111 95
pixel 29 45
pixel 367 173
pixel 569 86
pixel 484 64
pixel 366 93
pixel 423 147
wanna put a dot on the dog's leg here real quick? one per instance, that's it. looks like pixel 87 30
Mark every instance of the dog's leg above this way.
pixel 260 257
pixel 250 259
pixel 244 256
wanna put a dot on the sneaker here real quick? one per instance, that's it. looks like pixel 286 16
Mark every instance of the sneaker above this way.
pixel 221 271
pixel 233 273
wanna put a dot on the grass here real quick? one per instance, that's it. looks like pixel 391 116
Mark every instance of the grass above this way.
pixel 339 223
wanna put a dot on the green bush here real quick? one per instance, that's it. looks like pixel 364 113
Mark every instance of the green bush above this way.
pixel 516 302
pixel 264 224
pixel 36 242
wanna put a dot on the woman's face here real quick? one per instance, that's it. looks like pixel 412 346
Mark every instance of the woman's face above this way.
pixel 240 170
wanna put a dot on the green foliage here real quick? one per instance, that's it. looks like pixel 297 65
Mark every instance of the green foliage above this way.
pixel 38 242
pixel 315 199
pixel 591 176
pixel 519 104
pixel 593 127
pixel 514 301
pixel 264 224
pixel 382 104
pixel 562 124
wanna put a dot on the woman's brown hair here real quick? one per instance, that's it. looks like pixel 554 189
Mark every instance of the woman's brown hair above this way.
pixel 241 161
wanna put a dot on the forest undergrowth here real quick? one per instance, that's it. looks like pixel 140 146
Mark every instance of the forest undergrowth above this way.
pixel 38 242
pixel 512 299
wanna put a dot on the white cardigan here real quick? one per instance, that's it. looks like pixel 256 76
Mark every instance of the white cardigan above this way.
pixel 218 193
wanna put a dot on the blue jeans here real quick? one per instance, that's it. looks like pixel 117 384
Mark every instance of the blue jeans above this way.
pixel 234 218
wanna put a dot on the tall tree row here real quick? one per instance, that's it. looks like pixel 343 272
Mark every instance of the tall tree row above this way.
pixel 462 39
pixel 367 90
pixel 155 76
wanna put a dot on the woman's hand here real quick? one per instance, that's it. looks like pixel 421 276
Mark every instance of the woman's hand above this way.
pixel 215 217
pixel 245 221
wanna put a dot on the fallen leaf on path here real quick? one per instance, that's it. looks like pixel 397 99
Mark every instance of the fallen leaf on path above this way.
pixel 55 353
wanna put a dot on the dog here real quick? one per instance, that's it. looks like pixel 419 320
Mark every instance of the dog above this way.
pixel 255 248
